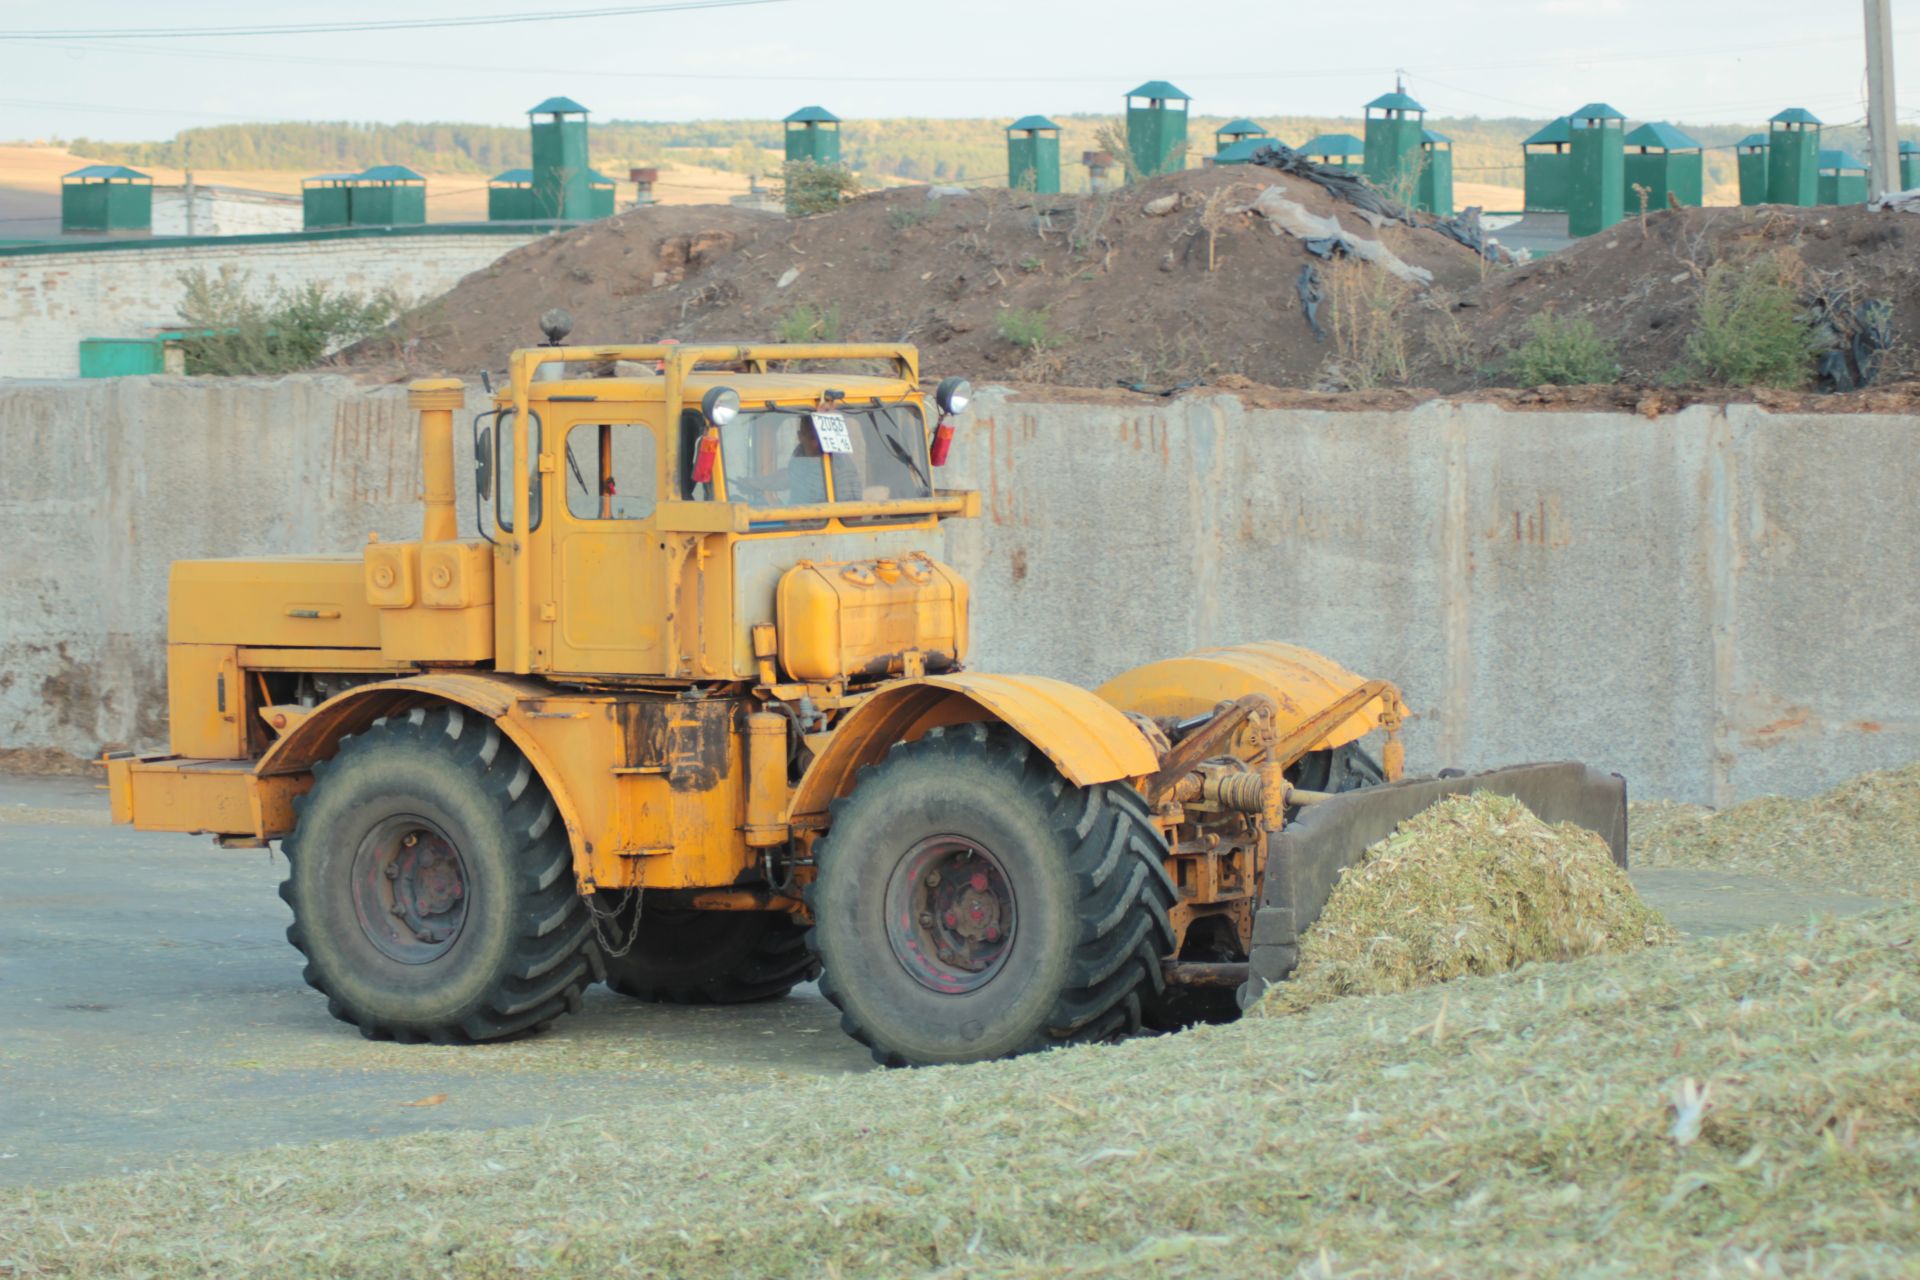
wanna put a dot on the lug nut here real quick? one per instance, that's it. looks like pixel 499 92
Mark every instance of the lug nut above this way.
pixel 926 919
pixel 411 839
pixel 979 882
pixel 933 879
pixel 393 871
pixel 953 918
pixel 398 910
pixel 993 934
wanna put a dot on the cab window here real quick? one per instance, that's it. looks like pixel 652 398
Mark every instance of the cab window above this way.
pixel 611 471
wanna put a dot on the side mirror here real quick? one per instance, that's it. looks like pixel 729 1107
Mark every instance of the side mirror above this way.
pixel 483 458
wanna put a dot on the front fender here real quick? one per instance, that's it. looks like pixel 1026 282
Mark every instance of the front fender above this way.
pixel 1085 737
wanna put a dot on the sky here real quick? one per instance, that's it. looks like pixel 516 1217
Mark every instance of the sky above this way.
pixel 1700 61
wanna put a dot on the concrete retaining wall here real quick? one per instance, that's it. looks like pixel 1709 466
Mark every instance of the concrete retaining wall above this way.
pixel 1716 604
pixel 49 301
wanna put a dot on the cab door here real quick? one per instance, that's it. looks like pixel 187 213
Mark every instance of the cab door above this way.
pixel 609 569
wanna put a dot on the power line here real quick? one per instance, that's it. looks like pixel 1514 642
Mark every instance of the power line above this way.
pixel 387 24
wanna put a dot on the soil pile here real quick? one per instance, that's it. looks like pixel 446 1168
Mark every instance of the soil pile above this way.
pixel 1863 836
pixel 1640 283
pixel 1164 281
pixel 1744 1106
pixel 1474 885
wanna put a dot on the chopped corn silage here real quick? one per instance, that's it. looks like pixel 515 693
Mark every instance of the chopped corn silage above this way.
pixel 1745 1106
pixel 1477 884
pixel 1862 836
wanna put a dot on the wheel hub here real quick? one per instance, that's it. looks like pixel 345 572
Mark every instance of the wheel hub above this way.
pixel 950 913
pixel 410 889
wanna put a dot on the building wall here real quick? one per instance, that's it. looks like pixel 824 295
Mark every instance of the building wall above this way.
pixel 224 211
pixel 50 300
pixel 1716 604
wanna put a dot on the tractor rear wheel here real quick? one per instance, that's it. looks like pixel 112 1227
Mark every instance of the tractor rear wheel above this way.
pixel 971 903
pixel 432 886
pixel 711 957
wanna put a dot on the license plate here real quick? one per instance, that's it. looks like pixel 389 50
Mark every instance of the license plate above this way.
pixel 831 430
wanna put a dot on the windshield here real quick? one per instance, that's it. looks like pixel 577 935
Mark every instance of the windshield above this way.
pixel 774 458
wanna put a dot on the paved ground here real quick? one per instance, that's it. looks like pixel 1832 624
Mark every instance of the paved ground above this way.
pixel 151 1011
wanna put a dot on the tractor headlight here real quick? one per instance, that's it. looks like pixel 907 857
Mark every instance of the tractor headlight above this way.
pixel 720 405
pixel 953 395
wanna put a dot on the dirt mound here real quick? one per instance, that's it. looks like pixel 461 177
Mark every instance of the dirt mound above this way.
pixel 1640 283
pixel 1160 282
pixel 1863 836
pixel 1475 885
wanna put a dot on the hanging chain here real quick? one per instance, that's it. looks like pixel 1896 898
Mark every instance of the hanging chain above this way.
pixel 604 921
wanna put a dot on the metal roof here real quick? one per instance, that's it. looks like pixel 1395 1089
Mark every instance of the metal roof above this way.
pixel 103 172
pixel 1754 140
pixel 595 178
pixel 1240 128
pixel 1431 135
pixel 1596 111
pixel 1663 135
pixel 1560 130
pixel 1028 123
pixel 389 173
pixel 1333 144
pixel 1159 89
pixel 1395 101
pixel 512 175
pixel 1909 148
pixel 1842 159
pixel 813 115
pixel 1241 152
pixel 557 107
pixel 1794 115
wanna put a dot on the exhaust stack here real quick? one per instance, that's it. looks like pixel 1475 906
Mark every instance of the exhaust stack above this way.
pixel 435 399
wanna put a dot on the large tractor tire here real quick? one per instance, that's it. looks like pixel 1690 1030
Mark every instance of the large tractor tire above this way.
pixel 432 886
pixel 971 903
pixel 711 957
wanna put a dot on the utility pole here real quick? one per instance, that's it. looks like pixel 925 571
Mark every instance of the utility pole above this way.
pixel 1883 129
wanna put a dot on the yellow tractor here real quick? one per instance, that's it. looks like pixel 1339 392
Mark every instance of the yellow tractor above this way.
pixel 688 712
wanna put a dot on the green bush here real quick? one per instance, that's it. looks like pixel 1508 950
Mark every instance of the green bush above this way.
pixel 238 331
pixel 1031 330
pixel 1563 353
pixel 1753 331
pixel 816 188
pixel 808 323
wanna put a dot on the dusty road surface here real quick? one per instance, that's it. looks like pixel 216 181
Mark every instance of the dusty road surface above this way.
pixel 151 1011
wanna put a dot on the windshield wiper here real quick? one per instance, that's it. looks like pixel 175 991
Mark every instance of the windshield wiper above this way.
pixel 900 451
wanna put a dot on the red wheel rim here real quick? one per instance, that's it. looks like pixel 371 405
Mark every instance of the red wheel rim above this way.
pixel 410 889
pixel 950 914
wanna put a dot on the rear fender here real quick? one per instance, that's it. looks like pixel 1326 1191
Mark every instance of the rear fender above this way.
pixel 319 735
pixel 1086 738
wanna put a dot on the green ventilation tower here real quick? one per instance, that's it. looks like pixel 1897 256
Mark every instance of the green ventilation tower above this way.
pixel 561 188
pixel 1395 125
pixel 1597 197
pixel 106 197
pixel 1666 162
pixel 1435 194
pixel 1033 155
pixel 387 195
pixel 600 194
pixel 326 200
pixel 1231 135
pixel 1156 128
pixel 1843 177
pixel 813 133
pixel 1549 169
pixel 1909 165
pixel 510 196
pixel 1336 151
pixel 1751 155
pixel 1793 158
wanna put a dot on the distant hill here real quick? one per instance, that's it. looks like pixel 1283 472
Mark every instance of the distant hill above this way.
pixel 915 150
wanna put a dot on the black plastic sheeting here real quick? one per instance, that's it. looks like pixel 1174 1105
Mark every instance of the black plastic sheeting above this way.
pixel 1312 294
pixel 1341 184
pixel 1850 338
pixel 1466 228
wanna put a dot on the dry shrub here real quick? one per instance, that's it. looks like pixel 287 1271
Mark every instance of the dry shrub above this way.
pixel 1753 332
pixel 1863 836
pixel 1369 332
pixel 1474 885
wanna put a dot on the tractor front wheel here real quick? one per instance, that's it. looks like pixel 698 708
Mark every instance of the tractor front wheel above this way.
pixel 432 887
pixel 971 903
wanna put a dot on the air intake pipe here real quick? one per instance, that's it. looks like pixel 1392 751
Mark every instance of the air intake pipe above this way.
pixel 435 400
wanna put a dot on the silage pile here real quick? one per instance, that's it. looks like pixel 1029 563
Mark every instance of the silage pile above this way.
pixel 1474 885
pixel 1863 836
